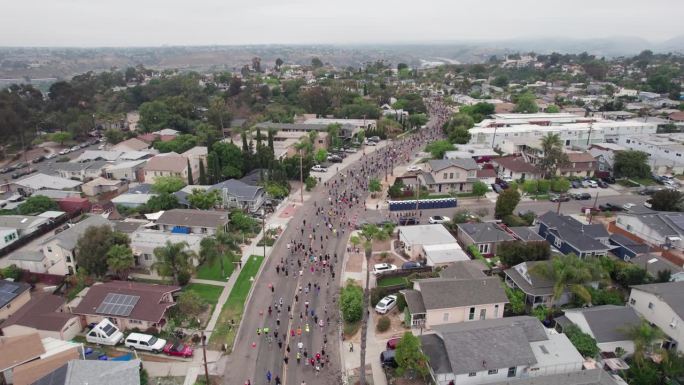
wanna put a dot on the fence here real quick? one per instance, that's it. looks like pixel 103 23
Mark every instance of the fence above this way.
pixel 423 204
pixel 404 272
pixel 46 228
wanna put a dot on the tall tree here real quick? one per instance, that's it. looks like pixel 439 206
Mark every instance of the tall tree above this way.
pixel 92 248
pixel 214 249
pixel 644 336
pixel 410 357
pixel 191 181
pixel 202 174
pixel 174 260
pixel 631 164
pixel 571 273
pixel 120 260
pixel 506 203
pixel 554 157
pixel 667 200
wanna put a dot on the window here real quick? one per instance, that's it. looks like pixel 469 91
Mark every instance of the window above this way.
pixel 472 374
pixel 445 176
pixel 68 259
pixel 49 249
pixel 632 301
pixel 445 317
pixel 651 305
pixel 483 314
pixel 496 311
pixel 493 371
pixel 484 248
pixel 557 242
pixel 147 257
pixel 511 371
pixel 471 316
pixel 451 175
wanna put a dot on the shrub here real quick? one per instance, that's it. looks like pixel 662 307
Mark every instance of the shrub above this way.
pixel 383 324
pixel 11 271
pixel 351 302
pixel 401 302
pixel 584 343
pixel 152 330
pixel 183 278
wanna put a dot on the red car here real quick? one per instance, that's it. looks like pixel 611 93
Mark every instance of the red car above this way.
pixel 392 343
pixel 178 349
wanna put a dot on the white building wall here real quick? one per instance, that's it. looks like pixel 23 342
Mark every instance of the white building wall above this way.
pixel 635 226
pixel 660 314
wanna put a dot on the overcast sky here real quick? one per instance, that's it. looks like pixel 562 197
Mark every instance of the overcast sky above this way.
pixel 209 22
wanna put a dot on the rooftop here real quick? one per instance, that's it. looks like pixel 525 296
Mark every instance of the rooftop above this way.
pixel 671 293
pixel 443 293
pixel 10 290
pixel 606 323
pixel 525 234
pixel 464 270
pixel 42 312
pixel 68 238
pixel 426 234
pixel 193 218
pixel 172 163
pixel 580 236
pixel 20 349
pixel 72 167
pixel 484 232
pixel 43 181
pixel 84 372
pixel 516 164
pixel 440 164
pixel 238 188
pixel 654 264
pixel 22 222
pixel 530 283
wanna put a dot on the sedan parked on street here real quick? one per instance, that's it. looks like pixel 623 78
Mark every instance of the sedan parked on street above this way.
pixel 437 219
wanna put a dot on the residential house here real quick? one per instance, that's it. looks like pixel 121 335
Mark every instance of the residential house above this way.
pixel 182 194
pixel 499 350
pixel 604 155
pixel 662 229
pixel 101 185
pixel 170 164
pixel 487 176
pixel 27 358
pixel 33 261
pixel 569 235
pixel 525 234
pixel 44 314
pixel 196 155
pixel 113 156
pixel 665 151
pixel 465 270
pixel 36 182
pixel 132 144
pixel 449 175
pixel 193 221
pixel 580 164
pixel 626 248
pixel 83 372
pixel 662 304
pixel 438 301
pixel 144 241
pixel 127 304
pixel 60 249
pixel 655 264
pixel 131 170
pixel 237 194
pixel 13 227
pixel 484 236
pixel 80 171
pixel 516 168
pixel 608 324
pixel 538 290
pixel 13 295
pixel 434 243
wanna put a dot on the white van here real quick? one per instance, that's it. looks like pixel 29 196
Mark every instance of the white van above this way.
pixel 147 342
pixel 105 333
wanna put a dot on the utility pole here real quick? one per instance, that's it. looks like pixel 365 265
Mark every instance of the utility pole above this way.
pixel 591 212
pixel 417 194
pixel 301 175
pixel 263 230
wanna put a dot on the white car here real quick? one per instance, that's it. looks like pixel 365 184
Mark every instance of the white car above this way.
pixel 413 168
pixel 350 150
pixel 105 333
pixel 379 268
pixel 146 342
pixel 101 147
pixel 75 148
pixel 438 219
pixel 319 168
pixel 65 151
pixel 50 156
pixel 386 304
pixel 369 143
pixel 628 206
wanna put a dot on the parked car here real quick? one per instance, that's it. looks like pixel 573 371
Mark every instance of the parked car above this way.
pixel 497 188
pixel 602 184
pixel 392 343
pixel 386 304
pixel 145 342
pixel 334 158
pixel 609 180
pixel 413 168
pixel 649 190
pixel 38 159
pixel 438 219
pixel 582 196
pixel 178 349
pixel 592 210
pixel 65 151
pixel 387 359
pixel 614 207
pixel 576 184
pixel 408 221
pixel 350 150
pixel 628 206
pixel 75 148
pixel 369 143
pixel 319 168
pixel 375 139
pixel 105 333
pixel 101 147
pixel 379 268
pixel 50 156
pixel 559 198
pixel 589 183
pixel 410 265
pixel 502 183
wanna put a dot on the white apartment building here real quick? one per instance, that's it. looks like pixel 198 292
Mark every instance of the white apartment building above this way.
pixel 668 147
pixel 574 131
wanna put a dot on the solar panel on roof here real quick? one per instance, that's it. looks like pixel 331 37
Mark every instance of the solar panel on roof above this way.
pixel 7 288
pixel 118 304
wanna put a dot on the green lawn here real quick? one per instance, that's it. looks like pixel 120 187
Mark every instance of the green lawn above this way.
pixel 644 181
pixel 213 272
pixel 235 305
pixel 209 293
pixel 391 281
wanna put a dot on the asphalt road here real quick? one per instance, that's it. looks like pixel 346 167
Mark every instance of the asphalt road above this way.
pixel 46 166
pixel 254 356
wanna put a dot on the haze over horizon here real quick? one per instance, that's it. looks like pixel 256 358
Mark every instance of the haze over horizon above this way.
pixel 85 23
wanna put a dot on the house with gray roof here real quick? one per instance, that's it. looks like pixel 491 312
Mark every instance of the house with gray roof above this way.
pixel 525 234
pixel 662 304
pixel 569 235
pixel 608 324
pixel 483 235
pixel 439 301
pixel 498 350
pixel 13 295
pixel 449 175
pixel 193 221
pixel 60 249
pixel 538 290
pixel 654 264
pixel 237 194
pixel 80 171
pixel 658 228
pixel 83 372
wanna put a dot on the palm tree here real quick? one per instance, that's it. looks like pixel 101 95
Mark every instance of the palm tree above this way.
pixel 214 248
pixel 643 335
pixel 554 157
pixel 173 259
pixel 370 233
pixel 120 260
pixel 569 272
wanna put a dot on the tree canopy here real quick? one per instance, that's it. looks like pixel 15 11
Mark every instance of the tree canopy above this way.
pixel 631 164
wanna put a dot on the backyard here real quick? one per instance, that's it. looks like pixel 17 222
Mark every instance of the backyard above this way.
pixel 209 293
pixel 391 281
pixel 230 316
